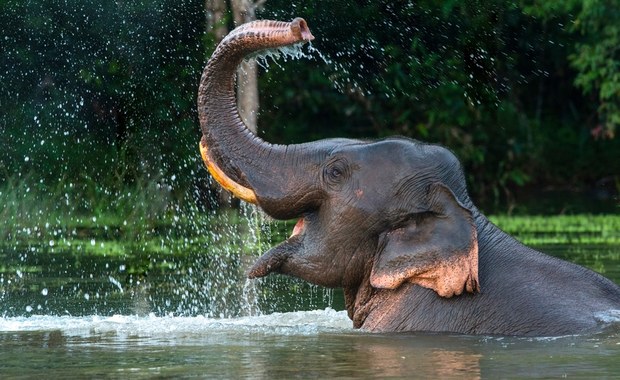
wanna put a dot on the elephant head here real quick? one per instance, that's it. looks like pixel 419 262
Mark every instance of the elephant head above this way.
pixel 382 212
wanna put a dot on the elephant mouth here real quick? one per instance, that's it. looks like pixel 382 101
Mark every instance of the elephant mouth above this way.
pixel 300 228
pixel 273 260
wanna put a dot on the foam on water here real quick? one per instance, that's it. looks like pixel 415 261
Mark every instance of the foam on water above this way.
pixel 292 323
pixel 609 317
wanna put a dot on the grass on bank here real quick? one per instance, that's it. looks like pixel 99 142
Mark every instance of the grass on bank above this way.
pixel 145 217
pixel 561 229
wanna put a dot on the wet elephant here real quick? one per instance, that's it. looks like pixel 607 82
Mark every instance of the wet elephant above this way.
pixel 389 221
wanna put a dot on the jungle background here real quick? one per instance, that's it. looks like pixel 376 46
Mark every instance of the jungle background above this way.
pixel 98 111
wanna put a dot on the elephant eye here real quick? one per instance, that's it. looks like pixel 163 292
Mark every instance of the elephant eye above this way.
pixel 336 171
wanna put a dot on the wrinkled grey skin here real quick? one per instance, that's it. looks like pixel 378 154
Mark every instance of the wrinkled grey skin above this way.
pixel 380 216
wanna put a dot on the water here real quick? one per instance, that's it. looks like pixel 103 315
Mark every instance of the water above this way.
pixel 164 324
pixel 310 344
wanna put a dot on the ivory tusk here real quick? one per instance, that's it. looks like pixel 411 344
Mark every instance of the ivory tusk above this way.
pixel 237 190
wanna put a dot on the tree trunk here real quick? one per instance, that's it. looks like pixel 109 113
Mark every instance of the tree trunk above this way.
pixel 216 18
pixel 247 74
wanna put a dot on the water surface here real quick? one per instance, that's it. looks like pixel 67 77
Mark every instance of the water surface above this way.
pixel 66 314
pixel 284 345
pixel 310 344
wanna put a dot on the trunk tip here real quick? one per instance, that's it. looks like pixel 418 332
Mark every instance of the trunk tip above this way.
pixel 300 29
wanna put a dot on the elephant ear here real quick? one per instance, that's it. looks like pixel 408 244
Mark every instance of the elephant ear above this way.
pixel 436 248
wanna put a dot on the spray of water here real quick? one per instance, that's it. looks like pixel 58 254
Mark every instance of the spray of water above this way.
pixel 105 206
pixel 285 53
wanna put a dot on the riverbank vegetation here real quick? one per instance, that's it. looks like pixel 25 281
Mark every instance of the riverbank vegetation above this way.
pixel 139 220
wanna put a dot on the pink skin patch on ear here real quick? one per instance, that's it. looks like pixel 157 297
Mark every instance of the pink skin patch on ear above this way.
pixel 447 278
pixel 299 227
pixel 452 278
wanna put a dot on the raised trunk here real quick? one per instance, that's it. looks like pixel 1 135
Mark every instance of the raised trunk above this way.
pixel 238 159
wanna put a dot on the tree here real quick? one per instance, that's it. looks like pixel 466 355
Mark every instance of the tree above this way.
pixel 243 11
pixel 595 25
pixel 247 75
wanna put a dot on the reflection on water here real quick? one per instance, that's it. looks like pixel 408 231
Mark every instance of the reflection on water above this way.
pixel 316 344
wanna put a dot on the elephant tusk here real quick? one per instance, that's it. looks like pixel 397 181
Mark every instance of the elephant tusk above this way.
pixel 238 191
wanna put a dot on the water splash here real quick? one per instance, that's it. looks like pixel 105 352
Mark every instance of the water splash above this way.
pixel 609 317
pixel 100 214
pixel 262 57
pixel 193 266
pixel 322 56
pixel 285 53
pixel 152 326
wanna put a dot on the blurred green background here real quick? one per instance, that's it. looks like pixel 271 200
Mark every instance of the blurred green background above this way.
pixel 99 118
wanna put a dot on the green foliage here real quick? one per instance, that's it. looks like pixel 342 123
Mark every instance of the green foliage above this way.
pixel 492 81
pixel 70 209
pixel 102 95
pixel 594 53
pixel 561 229
pixel 88 87
pixel 597 59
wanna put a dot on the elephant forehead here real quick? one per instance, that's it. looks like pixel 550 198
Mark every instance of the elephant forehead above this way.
pixel 387 157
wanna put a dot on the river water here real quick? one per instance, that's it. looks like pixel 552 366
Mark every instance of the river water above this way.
pixel 63 316
pixel 308 344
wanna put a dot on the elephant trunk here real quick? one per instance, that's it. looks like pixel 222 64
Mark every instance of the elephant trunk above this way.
pixel 239 160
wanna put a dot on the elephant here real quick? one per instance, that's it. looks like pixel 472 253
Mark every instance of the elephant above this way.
pixel 389 221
